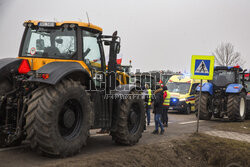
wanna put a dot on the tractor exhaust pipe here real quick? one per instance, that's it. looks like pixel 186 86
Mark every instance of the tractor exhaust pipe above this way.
pixel 112 64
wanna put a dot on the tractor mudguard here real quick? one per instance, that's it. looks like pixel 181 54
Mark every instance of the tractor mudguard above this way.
pixel 206 87
pixel 8 65
pixel 57 71
pixel 234 88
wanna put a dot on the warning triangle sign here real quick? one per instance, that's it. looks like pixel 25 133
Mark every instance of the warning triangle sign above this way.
pixel 202 68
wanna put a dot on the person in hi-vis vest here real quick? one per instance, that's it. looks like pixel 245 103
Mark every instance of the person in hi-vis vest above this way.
pixel 149 102
pixel 166 103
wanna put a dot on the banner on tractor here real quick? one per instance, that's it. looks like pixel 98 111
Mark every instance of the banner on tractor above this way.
pixel 202 67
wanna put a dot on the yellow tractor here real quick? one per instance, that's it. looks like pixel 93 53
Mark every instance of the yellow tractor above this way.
pixel 59 88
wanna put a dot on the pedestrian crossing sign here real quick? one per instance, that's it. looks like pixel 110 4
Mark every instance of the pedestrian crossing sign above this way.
pixel 202 67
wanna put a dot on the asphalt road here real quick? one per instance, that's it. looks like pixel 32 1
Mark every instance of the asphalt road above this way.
pixel 180 125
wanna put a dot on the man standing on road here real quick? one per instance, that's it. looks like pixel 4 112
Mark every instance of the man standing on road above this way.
pixel 158 109
pixel 166 103
pixel 149 102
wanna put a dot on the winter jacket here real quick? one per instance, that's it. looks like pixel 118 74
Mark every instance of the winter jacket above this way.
pixel 158 101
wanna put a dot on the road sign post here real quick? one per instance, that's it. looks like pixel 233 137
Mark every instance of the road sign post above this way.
pixel 199 109
pixel 202 67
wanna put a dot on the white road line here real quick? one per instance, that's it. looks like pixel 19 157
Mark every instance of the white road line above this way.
pixel 190 122
pixel 94 135
pixel 13 148
pixel 153 124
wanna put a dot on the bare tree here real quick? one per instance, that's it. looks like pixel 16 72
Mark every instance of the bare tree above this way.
pixel 226 56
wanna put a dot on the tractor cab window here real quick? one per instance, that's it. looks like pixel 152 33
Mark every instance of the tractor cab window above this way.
pixel 91 51
pixel 56 42
pixel 223 78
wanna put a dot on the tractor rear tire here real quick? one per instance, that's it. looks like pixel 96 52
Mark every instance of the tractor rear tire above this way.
pixel 58 119
pixel 236 107
pixel 205 114
pixel 130 122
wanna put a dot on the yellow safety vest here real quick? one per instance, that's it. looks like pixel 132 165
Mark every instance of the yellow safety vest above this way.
pixel 166 101
pixel 149 97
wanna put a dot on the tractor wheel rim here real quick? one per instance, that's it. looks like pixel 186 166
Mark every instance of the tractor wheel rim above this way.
pixel 70 119
pixel 134 118
pixel 242 107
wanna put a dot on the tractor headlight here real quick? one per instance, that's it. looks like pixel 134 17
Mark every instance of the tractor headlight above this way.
pixel 46 24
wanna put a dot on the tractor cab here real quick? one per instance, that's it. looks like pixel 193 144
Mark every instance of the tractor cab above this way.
pixel 223 76
pixel 45 42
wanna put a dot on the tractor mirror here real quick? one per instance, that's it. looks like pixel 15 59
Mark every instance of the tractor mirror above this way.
pixel 87 61
pixel 117 48
pixel 59 41
pixel 40 44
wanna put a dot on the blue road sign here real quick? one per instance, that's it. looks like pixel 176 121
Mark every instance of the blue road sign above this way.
pixel 202 67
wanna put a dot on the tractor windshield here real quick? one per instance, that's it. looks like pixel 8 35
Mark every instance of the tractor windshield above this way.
pixel 49 43
pixel 178 87
pixel 223 78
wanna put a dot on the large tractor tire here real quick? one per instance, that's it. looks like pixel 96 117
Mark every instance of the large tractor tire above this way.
pixel 58 119
pixel 130 122
pixel 205 113
pixel 236 107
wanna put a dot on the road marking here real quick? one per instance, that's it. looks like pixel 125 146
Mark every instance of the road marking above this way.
pixel 13 148
pixel 229 135
pixel 94 135
pixel 190 122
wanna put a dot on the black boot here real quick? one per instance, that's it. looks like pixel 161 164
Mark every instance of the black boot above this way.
pixel 155 132
pixel 162 132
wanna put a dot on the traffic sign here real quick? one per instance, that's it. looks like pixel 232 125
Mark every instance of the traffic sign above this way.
pixel 202 67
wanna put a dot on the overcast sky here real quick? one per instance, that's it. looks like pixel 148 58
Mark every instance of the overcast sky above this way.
pixel 156 34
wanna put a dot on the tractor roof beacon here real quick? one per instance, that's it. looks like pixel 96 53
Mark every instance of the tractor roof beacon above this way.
pixel 56 90
pixel 225 95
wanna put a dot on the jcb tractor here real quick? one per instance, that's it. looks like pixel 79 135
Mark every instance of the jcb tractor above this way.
pixel 225 95
pixel 59 88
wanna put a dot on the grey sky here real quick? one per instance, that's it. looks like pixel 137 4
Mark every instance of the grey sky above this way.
pixel 156 34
